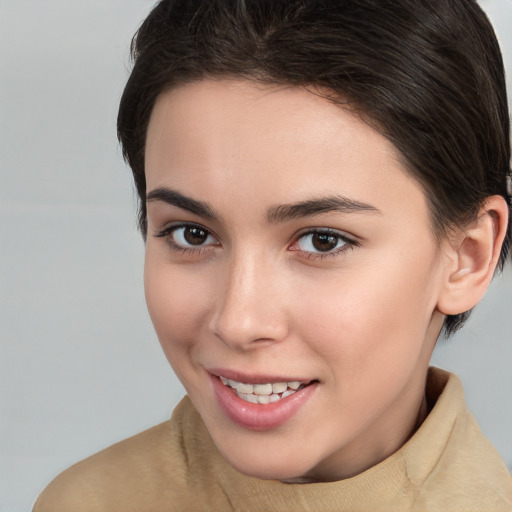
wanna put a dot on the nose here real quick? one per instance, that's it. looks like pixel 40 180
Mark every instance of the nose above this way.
pixel 250 308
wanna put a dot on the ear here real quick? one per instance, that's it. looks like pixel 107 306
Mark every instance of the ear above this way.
pixel 471 258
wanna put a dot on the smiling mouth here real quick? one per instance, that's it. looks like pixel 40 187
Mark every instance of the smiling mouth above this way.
pixel 265 393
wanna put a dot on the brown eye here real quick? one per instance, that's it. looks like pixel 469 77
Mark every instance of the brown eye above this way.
pixel 189 237
pixel 324 242
pixel 194 235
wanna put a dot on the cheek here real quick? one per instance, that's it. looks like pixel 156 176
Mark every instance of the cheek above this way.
pixel 370 318
pixel 176 308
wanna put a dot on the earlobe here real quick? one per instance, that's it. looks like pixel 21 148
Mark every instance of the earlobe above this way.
pixel 472 259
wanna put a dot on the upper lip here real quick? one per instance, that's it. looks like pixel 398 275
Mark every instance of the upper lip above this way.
pixel 254 378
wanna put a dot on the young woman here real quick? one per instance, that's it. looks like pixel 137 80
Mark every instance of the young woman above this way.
pixel 325 187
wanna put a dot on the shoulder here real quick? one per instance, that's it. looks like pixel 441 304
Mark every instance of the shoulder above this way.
pixel 126 476
pixel 474 470
pixel 468 472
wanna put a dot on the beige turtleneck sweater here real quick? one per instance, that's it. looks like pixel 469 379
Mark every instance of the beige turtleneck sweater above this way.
pixel 447 465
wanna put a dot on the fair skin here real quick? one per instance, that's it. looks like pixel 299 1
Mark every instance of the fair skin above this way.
pixel 346 295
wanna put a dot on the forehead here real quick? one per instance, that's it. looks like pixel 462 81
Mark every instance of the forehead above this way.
pixel 286 143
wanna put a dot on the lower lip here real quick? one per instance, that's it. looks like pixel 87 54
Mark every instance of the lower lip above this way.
pixel 259 416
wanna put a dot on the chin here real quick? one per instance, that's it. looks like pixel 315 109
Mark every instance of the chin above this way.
pixel 277 467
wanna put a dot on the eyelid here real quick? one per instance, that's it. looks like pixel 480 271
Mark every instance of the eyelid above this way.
pixel 329 231
pixel 159 233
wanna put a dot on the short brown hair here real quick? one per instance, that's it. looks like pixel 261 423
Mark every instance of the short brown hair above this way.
pixel 428 74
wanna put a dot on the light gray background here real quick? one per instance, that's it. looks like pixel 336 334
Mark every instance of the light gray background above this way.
pixel 80 366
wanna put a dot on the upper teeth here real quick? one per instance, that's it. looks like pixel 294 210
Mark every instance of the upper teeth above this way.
pixel 263 393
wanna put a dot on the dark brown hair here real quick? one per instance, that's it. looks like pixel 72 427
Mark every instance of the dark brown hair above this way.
pixel 428 74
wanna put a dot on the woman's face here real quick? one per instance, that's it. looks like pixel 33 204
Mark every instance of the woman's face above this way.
pixel 288 247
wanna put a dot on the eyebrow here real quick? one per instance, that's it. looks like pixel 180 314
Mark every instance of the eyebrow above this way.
pixel 174 198
pixel 275 214
pixel 315 206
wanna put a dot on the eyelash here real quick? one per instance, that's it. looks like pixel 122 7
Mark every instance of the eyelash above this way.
pixel 348 243
pixel 168 231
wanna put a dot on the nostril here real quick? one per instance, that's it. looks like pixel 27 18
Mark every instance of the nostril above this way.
pixel 248 328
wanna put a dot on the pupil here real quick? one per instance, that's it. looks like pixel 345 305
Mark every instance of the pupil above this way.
pixel 324 242
pixel 195 236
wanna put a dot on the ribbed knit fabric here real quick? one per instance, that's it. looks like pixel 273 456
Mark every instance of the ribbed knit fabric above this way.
pixel 447 465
